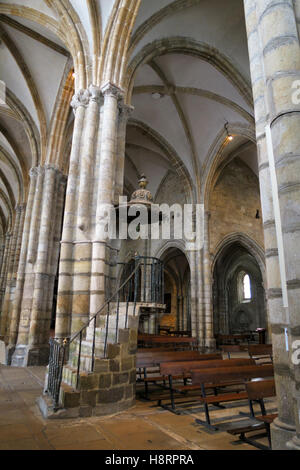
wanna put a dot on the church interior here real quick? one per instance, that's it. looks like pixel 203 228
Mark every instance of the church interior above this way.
pixel 114 108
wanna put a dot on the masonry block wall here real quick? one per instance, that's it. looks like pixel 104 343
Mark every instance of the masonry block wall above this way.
pixel 108 390
pixel 234 203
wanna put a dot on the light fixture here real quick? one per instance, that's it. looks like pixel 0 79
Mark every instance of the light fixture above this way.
pixel 157 96
pixel 229 136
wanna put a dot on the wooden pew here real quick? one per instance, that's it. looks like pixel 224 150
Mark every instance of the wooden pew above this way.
pixel 223 375
pixel 230 348
pixel 173 342
pixel 232 338
pixel 147 358
pixel 184 370
pixel 261 351
pixel 147 361
pixel 180 333
pixel 257 391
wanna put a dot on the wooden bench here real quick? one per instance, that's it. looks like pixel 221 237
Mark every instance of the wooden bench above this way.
pixel 230 348
pixel 180 333
pixel 149 362
pixel 261 351
pixel 173 342
pixel 232 338
pixel 225 375
pixel 183 370
pixel 257 391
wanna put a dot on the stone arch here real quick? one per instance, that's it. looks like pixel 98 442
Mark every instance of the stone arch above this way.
pixel 177 275
pixel 215 163
pixel 237 255
pixel 170 152
pixel 185 45
pixel 248 243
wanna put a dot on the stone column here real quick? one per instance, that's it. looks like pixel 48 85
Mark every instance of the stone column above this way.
pixel 12 263
pixel 209 340
pixel 193 293
pixel 100 250
pixel 30 326
pixel 87 159
pixel 4 267
pixel 275 64
pixel 125 112
pixel 65 299
pixel 24 238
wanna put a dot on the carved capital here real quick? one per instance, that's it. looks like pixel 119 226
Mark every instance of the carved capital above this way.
pixel 95 94
pixel 33 172
pixel 81 98
pixel 125 111
pixel 40 170
pixel 20 207
pixel 109 89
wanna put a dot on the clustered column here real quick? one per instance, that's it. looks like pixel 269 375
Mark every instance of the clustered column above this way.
pixel 275 64
pixel 12 267
pixel 32 303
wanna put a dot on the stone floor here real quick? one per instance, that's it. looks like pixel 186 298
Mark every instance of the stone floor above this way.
pixel 144 427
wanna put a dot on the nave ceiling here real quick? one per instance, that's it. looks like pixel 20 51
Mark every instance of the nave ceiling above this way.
pixel 186 73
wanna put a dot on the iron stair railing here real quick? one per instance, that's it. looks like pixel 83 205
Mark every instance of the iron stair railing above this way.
pixel 145 282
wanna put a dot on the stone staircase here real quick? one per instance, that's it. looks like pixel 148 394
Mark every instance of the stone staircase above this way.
pixel 110 388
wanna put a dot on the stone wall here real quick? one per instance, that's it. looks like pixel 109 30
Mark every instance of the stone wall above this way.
pixel 233 205
pixel 108 390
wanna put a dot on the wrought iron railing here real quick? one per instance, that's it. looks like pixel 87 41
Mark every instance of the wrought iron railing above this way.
pixel 144 283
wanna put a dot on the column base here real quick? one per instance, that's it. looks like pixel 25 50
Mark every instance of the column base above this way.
pixel 294 444
pixel 210 344
pixel 26 356
pixel 6 352
pixel 282 435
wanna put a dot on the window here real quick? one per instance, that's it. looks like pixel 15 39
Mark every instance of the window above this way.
pixel 244 287
pixel 247 287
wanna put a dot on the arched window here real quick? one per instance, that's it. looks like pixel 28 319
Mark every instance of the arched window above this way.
pixel 244 287
pixel 247 287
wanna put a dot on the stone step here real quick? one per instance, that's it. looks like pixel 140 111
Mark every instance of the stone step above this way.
pixel 68 397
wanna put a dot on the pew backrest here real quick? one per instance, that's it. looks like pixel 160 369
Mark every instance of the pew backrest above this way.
pixel 185 368
pixel 159 357
pixel 260 389
pixel 227 374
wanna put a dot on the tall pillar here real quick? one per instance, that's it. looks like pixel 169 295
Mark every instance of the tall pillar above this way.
pixel 105 197
pixel 12 267
pixel 274 51
pixel 65 297
pixel 4 267
pixel 31 315
pixel 124 114
pixel 20 280
pixel 86 254
pixel 207 288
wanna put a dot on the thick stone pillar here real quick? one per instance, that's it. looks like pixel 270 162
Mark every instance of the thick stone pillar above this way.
pixel 109 144
pixel 30 326
pixel 275 64
pixel 86 254
pixel 68 261
pixel 12 267
pixel 16 304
